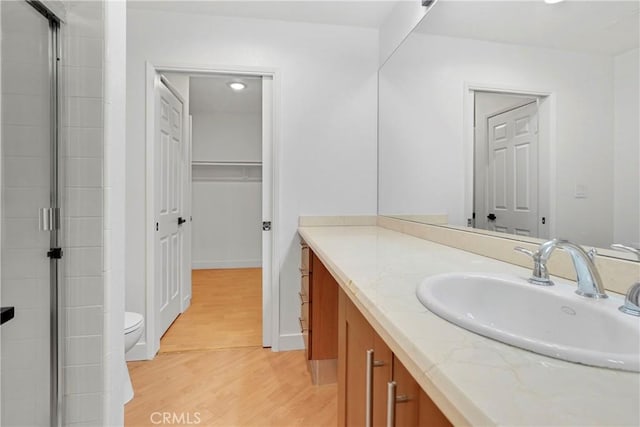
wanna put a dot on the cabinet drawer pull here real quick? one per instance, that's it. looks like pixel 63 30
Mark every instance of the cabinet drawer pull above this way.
pixel 391 403
pixel 303 298
pixel 303 325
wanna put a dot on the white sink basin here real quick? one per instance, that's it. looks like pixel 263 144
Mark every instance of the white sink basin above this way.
pixel 553 321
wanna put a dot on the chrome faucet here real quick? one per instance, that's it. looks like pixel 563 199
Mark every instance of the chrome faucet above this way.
pixel 589 281
pixel 632 299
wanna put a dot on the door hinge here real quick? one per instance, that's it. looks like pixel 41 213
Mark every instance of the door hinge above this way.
pixel 55 253
pixel 266 225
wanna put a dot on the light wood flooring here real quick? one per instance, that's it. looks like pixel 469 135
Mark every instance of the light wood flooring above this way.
pixel 236 387
pixel 212 370
pixel 225 312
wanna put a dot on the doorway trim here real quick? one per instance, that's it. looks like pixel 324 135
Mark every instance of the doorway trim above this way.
pixel 547 116
pixel 270 291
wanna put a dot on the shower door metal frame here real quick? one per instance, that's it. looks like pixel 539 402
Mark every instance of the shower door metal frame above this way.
pixel 56 296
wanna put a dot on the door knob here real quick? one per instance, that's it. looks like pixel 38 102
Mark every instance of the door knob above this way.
pixel 181 220
pixel 491 217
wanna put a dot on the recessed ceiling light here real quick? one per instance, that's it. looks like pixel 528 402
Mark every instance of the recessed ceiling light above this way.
pixel 236 85
pixel 553 1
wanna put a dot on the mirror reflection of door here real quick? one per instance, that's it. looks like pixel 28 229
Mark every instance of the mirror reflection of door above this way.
pixel 506 164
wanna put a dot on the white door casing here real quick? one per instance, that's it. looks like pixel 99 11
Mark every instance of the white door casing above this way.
pixel 148 348
pixel 513 171
pixel 267 205
pixel 168 196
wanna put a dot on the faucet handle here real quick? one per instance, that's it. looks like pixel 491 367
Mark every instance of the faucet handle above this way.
pixel 632 301
pixel 623 248
pixel 540 275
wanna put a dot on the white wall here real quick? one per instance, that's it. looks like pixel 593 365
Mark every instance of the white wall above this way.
pixel 405 15
pixel 327 127
pixel 421 126
pixel 227 209
pixel 627 149
pixel 227 137
pixel 227 219
pixel 115 23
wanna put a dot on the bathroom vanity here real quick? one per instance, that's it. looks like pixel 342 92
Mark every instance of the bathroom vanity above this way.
pixel 394 355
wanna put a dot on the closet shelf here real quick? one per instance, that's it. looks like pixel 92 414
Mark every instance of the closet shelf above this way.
pixel 205 163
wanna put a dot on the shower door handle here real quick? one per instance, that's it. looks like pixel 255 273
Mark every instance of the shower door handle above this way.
pixel 49 219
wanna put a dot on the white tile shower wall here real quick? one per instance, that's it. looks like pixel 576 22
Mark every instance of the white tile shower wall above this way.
pixel 24 367
pixel 82 79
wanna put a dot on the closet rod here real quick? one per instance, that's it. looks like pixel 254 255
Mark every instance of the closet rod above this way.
pixel 201 163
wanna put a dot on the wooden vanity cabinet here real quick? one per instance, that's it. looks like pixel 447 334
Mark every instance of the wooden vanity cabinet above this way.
pixel 368 371
pixel 318 317
pixel 364 362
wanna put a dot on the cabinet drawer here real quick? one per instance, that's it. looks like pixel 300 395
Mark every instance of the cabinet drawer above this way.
pixel 304 286
pixel 304 314
pixel 305 257
pixel 305 338
pixel 304 325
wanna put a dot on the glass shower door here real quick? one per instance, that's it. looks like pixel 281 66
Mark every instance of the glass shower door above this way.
pixel 28 349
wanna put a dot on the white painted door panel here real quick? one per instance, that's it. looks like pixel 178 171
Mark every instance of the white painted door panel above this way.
pixel 168 189
pixel 513 171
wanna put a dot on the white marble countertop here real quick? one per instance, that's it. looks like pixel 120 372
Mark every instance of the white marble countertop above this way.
pixel 474 380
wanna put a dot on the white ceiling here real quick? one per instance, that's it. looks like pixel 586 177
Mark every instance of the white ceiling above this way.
pixel 359 13
pixel 211 94
pixel 607 27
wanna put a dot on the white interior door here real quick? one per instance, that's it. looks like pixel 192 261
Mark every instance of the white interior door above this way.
pixel 168 193
pixel 267 206
pixel 513 171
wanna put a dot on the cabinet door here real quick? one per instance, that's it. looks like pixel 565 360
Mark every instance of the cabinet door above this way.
pixel 358 342
pixel 358 339
pixel 382 374
pixel 412 405
pixel 407 396
pixel 364 369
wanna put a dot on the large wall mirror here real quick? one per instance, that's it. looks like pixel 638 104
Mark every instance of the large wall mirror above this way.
pixel 516 117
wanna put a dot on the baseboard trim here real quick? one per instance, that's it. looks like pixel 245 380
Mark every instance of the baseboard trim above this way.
pixel 288 342
pixel 243 263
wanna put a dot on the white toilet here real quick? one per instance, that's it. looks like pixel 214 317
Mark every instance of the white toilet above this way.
pixel 133 326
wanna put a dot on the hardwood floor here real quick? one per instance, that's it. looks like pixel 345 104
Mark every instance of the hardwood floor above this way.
pixel 212 370
pixel 225 312
pixel 235 387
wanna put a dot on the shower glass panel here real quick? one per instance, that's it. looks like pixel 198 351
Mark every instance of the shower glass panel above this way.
pixel 28 342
